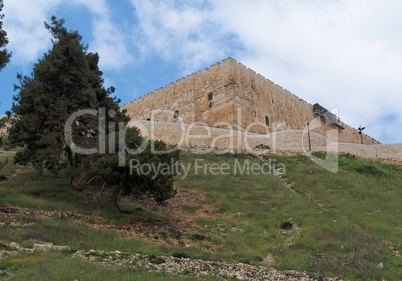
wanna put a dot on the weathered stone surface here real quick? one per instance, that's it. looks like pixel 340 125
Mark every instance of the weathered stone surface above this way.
pixel 14 245
pixel 42 246
pixel 229 95
pixel 61 248
pixel 47 246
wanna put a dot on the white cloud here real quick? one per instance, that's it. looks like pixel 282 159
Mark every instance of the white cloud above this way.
pixel 345 53
pixel 109 40
pixel 178 29
pixel 24 23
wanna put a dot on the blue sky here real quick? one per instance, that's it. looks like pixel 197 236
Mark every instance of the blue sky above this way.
pixel 345 53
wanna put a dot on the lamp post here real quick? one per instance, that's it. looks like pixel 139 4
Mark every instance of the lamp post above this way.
pixel 308 133
pixel 361 134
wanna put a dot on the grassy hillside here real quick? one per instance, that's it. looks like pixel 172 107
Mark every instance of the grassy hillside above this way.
pixel 346 224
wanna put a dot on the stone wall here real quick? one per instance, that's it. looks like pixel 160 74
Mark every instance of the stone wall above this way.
pixel 229 95
pixel 204 138
pixel 190 97
pixel 193 135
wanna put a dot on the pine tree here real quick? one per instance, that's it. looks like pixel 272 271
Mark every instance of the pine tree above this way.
pixel 4 55
pixel 66 80
pixel 156 183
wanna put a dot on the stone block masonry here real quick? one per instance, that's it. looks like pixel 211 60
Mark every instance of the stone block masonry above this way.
pixel 229 95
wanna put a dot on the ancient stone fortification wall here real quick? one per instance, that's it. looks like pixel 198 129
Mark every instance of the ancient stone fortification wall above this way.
pixel 190 96
pixel 230 95
pixel 258 98
pixel 185 135
pixel 198 138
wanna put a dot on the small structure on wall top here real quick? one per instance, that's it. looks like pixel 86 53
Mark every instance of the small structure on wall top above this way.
pixel 326 115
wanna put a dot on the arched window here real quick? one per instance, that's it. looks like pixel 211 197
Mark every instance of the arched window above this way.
pixel 176 114
pixel 266 120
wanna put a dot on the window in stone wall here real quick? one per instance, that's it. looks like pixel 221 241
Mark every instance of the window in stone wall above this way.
pixel 266 120
pixel 210 96
pixel 254 114
pixel 176 114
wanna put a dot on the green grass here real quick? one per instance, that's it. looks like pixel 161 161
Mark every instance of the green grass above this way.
pixel 59 267
pixel 63 231
pixel 334 224
pixel 359 207
pixel 53 193
pixel 6 165
pixel 335 215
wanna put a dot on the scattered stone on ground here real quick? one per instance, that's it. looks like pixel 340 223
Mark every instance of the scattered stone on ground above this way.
pixel 194 267
pixel 41 246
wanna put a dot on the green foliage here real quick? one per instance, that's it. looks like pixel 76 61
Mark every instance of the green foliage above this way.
pixel 4 55
pixel 59 267
pixel 181 255
pixel 357 209
pixel 262 146
pixel 197 237
pixel 369 170
pixel 176 234
pixel 243 260
pixel 163 235
pixel 344 224
pixel 155 182
pixel 156 260
pixel 64 82
pixel 67 79
pixel 6 166
pixel 4 143
pixel 286 225
pixel 17 262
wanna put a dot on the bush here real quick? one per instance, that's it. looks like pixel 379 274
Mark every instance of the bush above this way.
pixel 176 234
pixel 180 255
pixel 156 260
pixel 4 143
pixel 198 237
pixel 163 235
pixel 262 146
pixel 369 169
pixel 245 261
pixel 286 225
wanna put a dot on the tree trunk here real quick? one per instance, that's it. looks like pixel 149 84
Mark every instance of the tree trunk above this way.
pixel 70 158
pixel 115 197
